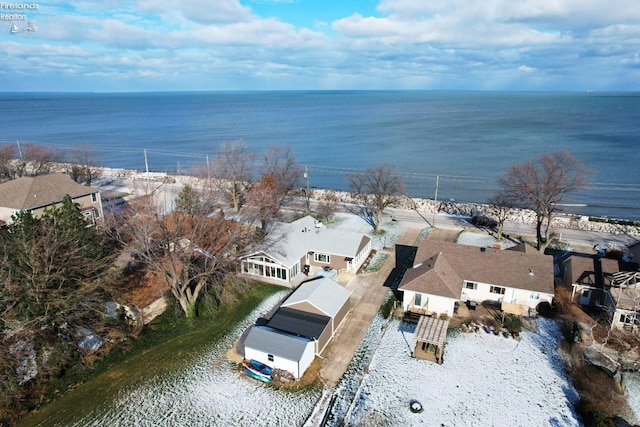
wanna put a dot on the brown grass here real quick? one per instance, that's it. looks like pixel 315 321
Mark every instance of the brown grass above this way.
pixel 309 379
pixel 140 288
pixel 599 388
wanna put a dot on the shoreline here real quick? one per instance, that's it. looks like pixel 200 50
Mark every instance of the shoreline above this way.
pixel 422 205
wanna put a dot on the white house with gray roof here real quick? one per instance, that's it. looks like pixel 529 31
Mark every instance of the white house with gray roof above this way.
pixel 301 327
pixel 305 245
pixel 279 350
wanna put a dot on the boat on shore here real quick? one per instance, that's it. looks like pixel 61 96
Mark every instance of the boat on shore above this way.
pixel 258 370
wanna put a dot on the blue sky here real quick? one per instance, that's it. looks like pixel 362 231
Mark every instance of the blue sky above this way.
pixel 160 45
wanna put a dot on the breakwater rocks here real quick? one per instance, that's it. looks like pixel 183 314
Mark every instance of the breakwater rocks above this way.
pixel 519 216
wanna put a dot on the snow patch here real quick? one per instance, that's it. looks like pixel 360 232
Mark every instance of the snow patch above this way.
pixel 484 380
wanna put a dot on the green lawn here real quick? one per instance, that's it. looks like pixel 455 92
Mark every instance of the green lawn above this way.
pixel 166 347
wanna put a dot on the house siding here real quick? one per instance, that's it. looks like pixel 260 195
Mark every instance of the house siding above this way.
pixel 324 338
pixel 296 367
pixel 511 295
pixel 337 320
pixel 431 304
pixel 618 323
pixel 307 308
pixel 84 203
pixel 6 213
pixel 336 262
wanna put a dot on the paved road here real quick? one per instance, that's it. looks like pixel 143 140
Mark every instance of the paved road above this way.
pixel 576 237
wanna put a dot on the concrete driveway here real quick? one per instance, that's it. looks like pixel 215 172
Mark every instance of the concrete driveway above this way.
pixel 366 299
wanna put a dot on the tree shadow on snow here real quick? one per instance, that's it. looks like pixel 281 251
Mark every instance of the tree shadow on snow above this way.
pixel 363 212
pixel 407 328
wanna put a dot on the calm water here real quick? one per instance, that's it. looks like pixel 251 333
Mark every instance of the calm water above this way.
pixel 467 138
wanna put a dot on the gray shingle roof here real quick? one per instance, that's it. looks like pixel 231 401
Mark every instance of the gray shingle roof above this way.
pixel 43 190
pixel 287 243
pixel 321 292
pixel 273 342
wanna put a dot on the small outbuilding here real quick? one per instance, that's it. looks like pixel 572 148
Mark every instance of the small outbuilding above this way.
pixel 279 350
pixel 301 327
pixel 431 336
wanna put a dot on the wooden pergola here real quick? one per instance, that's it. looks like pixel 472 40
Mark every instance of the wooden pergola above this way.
pixel 431 335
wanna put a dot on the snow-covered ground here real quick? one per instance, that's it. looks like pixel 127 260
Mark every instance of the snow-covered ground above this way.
pixel 633 392
pixel 485 380
pixel 352 222
pixel 211 392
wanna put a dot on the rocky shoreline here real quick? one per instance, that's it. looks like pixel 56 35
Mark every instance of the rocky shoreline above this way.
pixel 428 206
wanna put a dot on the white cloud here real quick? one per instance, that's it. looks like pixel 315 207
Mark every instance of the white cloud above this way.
pixel 526 69
pixel 200 11
pixel 408 44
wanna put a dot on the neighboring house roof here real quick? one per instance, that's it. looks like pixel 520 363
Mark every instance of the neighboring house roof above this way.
pixel 634 250
pixel 321 292
pixel 595 270
pixel 274 342
pixel 627 297
pixel 434 276
pixel 38 191
pixel 297 322
pixel 531 271
pixel 287 243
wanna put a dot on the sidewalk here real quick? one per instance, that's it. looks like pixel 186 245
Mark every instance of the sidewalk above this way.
pixel 366 299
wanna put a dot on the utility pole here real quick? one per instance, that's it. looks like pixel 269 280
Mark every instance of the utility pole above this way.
pixel 435 208
pixel 307 195
pixel 19 150
pixel 146 167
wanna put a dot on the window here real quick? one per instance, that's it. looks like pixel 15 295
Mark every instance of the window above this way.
pixel 418 300
pixel 627 319
pixel 534 295
pixel 471 285
pixel 497 290
pixel 585 293
pixel 270 357
pixel 323 258
pixel 94 197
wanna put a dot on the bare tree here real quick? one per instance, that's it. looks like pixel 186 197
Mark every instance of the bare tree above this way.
pixel 234 165
pixel 500 207
pixel 37 160
pixel 377 188
pixel 263 202
pixel 82 164
pixel 191 250
pixel 8 161
pixel 281 164
pixel 542 185
pixel 328 206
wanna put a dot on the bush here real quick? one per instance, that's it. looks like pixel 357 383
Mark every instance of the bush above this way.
pixel 513 323
pixel 546 310
pixel 591 415
pixel 387 307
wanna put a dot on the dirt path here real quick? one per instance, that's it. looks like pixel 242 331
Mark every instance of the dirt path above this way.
pixel 368 295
